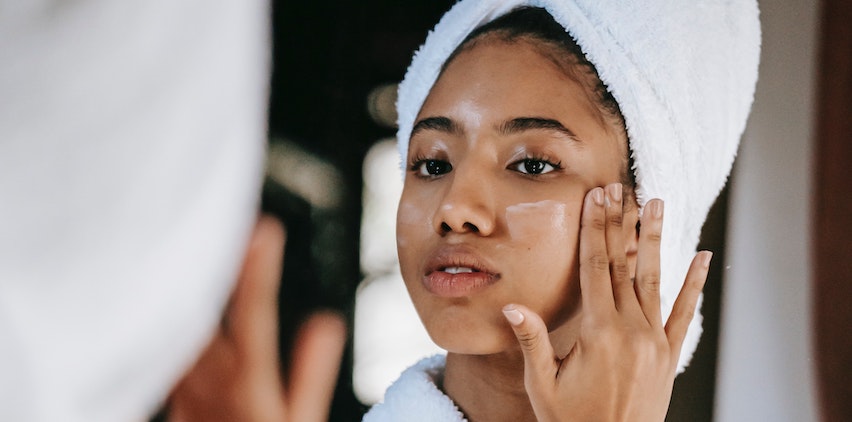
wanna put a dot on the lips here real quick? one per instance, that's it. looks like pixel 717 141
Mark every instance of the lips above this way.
pixel 457 272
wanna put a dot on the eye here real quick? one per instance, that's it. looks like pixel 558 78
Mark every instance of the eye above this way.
pixel 533 166
pixel 431 168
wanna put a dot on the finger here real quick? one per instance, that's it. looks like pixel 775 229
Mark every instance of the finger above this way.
pixel 647 285
pixel 540 366
pixel 622 287
pixel 198 395
pixel 254 310
pixel 595 282
pixel 317 353
pixel 686 302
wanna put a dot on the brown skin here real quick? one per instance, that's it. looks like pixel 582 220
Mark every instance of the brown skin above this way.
pixel 603 354
pixel 237 378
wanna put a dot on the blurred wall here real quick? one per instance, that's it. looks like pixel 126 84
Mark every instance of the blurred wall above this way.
pixel 765 367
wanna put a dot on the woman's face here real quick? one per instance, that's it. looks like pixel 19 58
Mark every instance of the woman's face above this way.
pixel 501 156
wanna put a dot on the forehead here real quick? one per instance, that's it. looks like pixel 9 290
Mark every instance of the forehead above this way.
pixel 503 79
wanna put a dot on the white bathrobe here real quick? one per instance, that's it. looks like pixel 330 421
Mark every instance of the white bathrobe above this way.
pixel 415 396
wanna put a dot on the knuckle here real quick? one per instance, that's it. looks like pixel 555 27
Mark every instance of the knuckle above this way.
pixel 615 219
pixel 596 324
pixel 684 313
pixel 596 222
pixel 619 269
pixel 650 282
pixel 644 346
pixel 654 236
pixel 528 340
pixel 599 223
pixel 651 355
pixel 608 334
pixel 598 262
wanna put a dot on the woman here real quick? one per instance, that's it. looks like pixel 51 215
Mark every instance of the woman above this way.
pixel 534 140
pixel 520 197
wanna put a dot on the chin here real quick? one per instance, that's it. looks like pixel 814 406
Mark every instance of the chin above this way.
pixel 484 341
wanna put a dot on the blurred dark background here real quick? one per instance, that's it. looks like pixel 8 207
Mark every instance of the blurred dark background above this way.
pixel 328 57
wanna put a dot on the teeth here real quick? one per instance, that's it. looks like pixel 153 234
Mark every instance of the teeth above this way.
pixel 457 270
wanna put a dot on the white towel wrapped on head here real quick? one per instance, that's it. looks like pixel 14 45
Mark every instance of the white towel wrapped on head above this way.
pixel 683 74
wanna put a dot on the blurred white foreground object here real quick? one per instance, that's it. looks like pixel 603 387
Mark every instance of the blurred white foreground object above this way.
pixel 131 148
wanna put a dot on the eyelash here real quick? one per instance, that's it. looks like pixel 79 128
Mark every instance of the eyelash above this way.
pixel 538 159
pixel 416 166
pixel 418 162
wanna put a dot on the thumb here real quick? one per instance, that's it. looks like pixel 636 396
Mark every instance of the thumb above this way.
pixel 539 359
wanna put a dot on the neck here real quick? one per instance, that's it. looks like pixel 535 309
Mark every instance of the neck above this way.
pixel 489 387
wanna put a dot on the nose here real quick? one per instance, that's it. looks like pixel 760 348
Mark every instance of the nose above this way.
pixel 466 206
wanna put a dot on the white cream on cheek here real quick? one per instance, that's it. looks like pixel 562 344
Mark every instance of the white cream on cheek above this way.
pixel 532 223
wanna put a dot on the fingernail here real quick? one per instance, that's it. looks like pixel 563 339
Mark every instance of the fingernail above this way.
pixel 614 191
pixel 706 256
pixel 512 314
pixel 597 196
pixel 656 208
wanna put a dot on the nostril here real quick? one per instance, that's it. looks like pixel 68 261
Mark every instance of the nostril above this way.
pixel 465 228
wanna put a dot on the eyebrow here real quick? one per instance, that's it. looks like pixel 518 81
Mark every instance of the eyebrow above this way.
pixel 509 127
pixel 439 123
pixel 522 124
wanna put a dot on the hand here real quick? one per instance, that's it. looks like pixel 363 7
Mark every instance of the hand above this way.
pixel 623 364
pixel 238 378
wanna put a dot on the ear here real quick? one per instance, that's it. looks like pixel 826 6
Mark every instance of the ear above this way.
pixel 631 237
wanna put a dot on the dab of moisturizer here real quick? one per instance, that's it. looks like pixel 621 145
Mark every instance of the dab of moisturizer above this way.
pixel 526 221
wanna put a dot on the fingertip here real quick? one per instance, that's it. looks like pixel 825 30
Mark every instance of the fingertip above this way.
pixel 613 193
pixel 513 315
pixel 269 228
pixel 699 269
pixel 328 322
pixel 315 365
pixel 704 258
pixel 255 300
pixel 597 196
pixel 653 209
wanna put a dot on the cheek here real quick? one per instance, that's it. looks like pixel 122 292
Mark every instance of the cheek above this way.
pixel 412 222
pixel 545 235
pixel 542 226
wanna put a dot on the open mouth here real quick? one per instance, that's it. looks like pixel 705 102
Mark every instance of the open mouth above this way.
pixel 459 270
pixel 457 261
